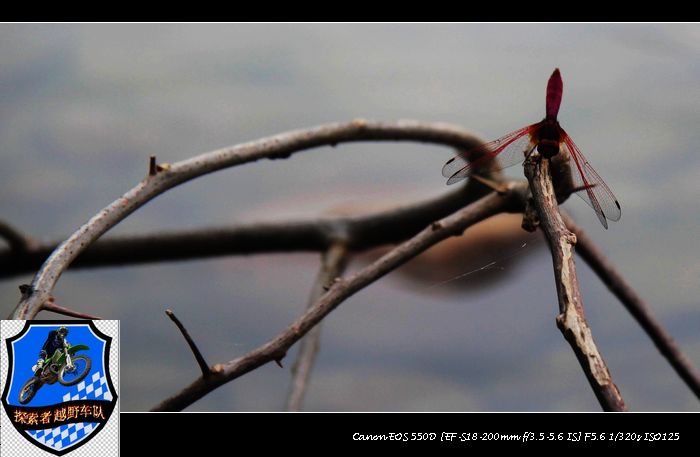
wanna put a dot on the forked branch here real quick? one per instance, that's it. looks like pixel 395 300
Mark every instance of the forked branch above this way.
pixel 334 235
pixel 276 348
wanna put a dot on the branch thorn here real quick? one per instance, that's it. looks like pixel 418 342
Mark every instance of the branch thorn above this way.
pixel 50 305
pixel 26 290
pixel 152 170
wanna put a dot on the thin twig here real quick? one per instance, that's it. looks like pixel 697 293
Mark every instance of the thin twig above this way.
pixel 274 147
pixel 454 224
pixel 318 234
pixel 571 320
pixel 19 242
pixel 54 308
pixel 203 366
pixel 332 265
pixel 639 309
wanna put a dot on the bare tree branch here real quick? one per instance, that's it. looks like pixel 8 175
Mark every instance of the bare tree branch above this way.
pixel 571 320
pixel 332 265
pixel 313 234
pixel 203 366
pixel 276 348
pixel 19 242
pixel 639 309
pixel 171 175
pixel 359 232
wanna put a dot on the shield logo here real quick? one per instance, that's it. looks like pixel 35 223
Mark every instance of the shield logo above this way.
pixel 64 401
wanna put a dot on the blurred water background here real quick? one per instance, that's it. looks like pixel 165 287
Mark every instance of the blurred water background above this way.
pixel 83 106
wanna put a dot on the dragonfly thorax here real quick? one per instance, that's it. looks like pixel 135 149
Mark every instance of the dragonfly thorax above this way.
pixel 549 138
pixel 548 148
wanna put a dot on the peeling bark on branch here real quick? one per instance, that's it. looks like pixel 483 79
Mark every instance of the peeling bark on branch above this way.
pixel 571 321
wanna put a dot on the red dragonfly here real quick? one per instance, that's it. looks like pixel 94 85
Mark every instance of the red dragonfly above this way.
pixel 549 139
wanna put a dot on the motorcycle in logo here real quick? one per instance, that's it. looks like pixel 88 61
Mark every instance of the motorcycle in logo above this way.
pixel 62 400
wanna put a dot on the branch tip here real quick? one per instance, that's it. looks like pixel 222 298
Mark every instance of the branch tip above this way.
pixel 203 366
pixel 152 170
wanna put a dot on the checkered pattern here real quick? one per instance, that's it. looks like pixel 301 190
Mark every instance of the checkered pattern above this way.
pixel 94 387
pixel 63 436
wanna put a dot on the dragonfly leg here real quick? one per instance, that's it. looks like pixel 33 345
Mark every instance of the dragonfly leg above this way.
pixel 529 153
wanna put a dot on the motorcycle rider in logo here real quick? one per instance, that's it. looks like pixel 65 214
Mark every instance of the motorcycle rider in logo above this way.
pixel 58 362
pixel 54 341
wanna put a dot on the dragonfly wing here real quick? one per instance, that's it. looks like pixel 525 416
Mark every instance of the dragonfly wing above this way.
pixel 594 191
pixel 510 149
